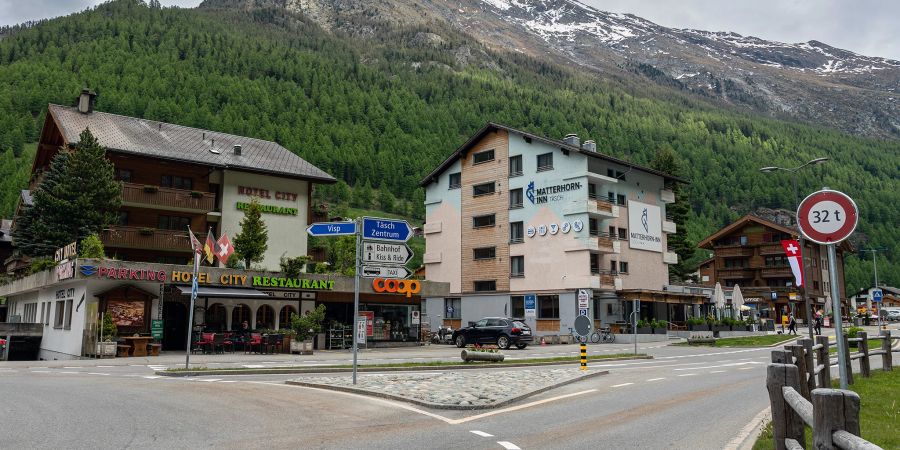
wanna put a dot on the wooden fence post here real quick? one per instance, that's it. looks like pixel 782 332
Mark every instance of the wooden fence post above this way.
pixel 807 345
pixel 824 358
pixel 833 409
pixel 800 362
pixel 863 346
pixel 886 360
pixel 781 357
pixel 847 362
pixel 786 423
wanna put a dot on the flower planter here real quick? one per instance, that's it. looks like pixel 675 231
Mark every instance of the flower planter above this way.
pixel 660 331
pixel 472 355
pixel 721 328
pixel 698 327
pixel 302 347
pixel 646 330
pixel 102 349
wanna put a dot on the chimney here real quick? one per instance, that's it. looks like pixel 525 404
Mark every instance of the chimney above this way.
pixel 237 150
pixel 590 146
pixel 86 101
pixel 572 139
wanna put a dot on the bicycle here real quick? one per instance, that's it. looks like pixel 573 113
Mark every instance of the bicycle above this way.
pixel 603 334
pixel 577 337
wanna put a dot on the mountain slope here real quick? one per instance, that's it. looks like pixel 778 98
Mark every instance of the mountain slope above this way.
pixel 809 81
pixel 380 103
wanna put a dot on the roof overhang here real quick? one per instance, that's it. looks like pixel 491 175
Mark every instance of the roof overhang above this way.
pixel 222 292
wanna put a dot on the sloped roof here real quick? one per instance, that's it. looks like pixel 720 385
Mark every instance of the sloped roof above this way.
pixel 707 242
pixel 491 126
pixel 180 143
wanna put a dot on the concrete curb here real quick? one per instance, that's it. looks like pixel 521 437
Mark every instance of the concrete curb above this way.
pixel 313 370
pixel 440 405
pixel 748 435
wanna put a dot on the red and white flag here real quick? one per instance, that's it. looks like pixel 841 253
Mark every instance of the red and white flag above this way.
pixel 196 246
pixel 224 248
pixel 792 249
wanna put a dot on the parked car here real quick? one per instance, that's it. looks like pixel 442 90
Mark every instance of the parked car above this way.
pixel 893 315
pixel 503 331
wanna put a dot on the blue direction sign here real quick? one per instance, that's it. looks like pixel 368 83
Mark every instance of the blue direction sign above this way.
pixel 877 295
pixel 331 228
pixel 386 229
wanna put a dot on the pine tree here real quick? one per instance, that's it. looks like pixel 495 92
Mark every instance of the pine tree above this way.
pixel 666 161
pixel 251 243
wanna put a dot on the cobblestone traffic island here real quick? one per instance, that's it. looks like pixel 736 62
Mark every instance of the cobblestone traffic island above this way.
pixel 465 389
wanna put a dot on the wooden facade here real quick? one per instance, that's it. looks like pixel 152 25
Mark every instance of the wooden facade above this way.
pixel 497 236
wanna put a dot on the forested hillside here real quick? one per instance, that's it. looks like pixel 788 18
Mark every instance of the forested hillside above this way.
pixel 381 109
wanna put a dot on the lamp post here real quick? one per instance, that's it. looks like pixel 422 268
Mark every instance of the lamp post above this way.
pixel 875 269
pixel 793 172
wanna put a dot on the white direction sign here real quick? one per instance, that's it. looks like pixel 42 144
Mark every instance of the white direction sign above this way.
pixel 385 271
pixel 385 253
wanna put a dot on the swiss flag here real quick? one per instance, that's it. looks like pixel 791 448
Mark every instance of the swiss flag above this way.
pixel 792 250
pixel 224 249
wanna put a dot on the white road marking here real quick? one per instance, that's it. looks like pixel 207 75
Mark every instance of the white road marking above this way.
pixel 152 377
pixel 508 445
pixel 210 379
pixel 722 365
pixel 74 367
pixel 687 374
pixel 623 384
pixel 253 366
pixel 228 381
pixel 481 433
pixel 97 373
pixel 719 371
pixel 41 371
pixel 106 367
pixel 71 372
pixel 656 379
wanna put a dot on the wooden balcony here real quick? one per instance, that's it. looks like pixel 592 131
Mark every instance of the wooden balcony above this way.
pixel 734 272
pixel 605 243
pixel 146 239
pixel 167 198
pixel 604 207
pixel 607 278
pixel 728 252
pixel 777 272
pixel 771 249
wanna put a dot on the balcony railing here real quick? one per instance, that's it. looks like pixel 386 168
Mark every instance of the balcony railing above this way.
pixel 771 249
pixel 167 198
pixel 734 251
pixel 734 272
pixel 777 272
pixel 146 238
pixel 607 277
pixel 604 242
pixel 603 205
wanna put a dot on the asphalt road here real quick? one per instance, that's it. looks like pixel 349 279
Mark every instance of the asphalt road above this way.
pixel 698 398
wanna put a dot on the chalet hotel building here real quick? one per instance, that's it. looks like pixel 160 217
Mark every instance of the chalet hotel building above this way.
pixel 173 176
pixel 525 226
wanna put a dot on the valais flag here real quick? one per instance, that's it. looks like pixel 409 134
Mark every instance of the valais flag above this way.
pixel 792 249
pixel 224 249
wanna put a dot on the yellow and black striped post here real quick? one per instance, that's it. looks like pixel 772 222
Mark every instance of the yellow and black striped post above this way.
pixel 583 356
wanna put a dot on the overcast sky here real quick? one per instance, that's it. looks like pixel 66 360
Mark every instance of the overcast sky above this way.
pixel 869 27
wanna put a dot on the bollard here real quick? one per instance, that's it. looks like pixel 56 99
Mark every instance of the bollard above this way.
pixel 824 359
pixel 863 347
pixel 583 356
pixel 886 362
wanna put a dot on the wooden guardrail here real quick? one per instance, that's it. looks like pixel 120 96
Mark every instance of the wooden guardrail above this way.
pixel 800 394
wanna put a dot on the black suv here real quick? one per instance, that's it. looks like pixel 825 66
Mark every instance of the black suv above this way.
pixel 502 331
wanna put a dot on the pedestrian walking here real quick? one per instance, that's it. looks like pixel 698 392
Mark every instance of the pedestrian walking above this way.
pixel 818 326
pixel 792 325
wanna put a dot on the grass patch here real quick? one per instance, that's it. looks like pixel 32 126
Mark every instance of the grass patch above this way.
pixel 879 411
pixel 558 359
pixel 745 341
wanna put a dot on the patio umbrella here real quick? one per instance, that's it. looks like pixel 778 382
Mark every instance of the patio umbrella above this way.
pixel 737 299
pixel 718 298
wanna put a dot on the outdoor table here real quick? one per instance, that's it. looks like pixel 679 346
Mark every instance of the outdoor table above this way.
pixel 138 344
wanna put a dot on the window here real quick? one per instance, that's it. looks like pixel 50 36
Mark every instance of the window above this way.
pixel 610 173
pixel 515 198
pixel 611 197
pixel 816 285
pixel 620 175
pixel 452 309
pixel 68 324
pixel 516 232
pixel 517 266
pixel 593 228
pixel 517 305
pixel 548 306
pixel 612 232
pixel 515 166
pixel 483 157
pixel 123 175
pixel 29 314
pixel 595 263
pixel 623 267
pixel 776 261
pixel 623 233
pixel 174 222
pixel 455 180
pixel 613 265
pixel 43 312
pixel 485 285
pixel 545 162
pixel 60 312
pixel 620 199
pixel 743 240
pixel 483 189
pixel 174 181
pixel 123 218
pixel 592 191
pixel 736 263
pixel 487 220
pixel 47 317
pixel 485 253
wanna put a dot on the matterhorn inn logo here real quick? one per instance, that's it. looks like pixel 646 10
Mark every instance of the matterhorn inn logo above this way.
pixel 530 192
pixel 644 221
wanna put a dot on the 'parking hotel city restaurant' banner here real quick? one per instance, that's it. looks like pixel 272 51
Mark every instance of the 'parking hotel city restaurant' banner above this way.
pixel 644 227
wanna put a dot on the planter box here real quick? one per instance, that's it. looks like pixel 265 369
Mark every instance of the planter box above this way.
pixel 698 327
pixel 470 355
pixel 302 347
pixel 721 328
pixel 105 349
pixel 647 330
pixel 660 331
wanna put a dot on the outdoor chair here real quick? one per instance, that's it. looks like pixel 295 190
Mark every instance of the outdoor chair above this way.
pixel 218 343
pixel 277 342
pixel 255 339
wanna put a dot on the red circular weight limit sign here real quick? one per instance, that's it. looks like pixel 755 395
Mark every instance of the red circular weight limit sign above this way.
pixel 827 217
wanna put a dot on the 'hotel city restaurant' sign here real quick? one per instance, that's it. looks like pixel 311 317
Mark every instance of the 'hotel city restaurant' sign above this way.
pixel 226 279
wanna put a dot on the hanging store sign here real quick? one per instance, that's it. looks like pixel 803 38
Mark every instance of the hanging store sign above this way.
pixel 644 227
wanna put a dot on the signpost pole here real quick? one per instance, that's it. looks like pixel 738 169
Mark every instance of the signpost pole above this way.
pixel 356 298
pixel 634 313
pixel 838 328
pixel 187 353
pixel 875 268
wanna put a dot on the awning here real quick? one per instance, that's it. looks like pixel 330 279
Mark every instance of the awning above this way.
pixel 222 292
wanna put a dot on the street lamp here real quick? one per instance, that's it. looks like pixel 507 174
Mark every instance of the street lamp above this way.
pixel 793 171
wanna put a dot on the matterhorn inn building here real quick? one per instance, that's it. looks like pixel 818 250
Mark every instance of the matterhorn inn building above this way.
pixel 525 226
